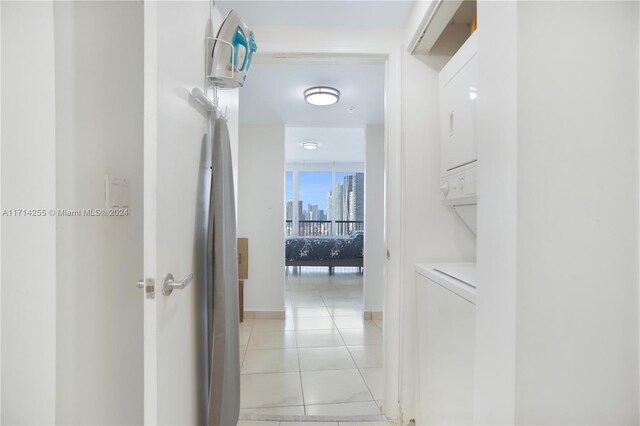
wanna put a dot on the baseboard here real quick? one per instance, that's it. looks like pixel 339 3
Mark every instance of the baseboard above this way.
pixel 366 419
pixel 369 315
pixel 264 315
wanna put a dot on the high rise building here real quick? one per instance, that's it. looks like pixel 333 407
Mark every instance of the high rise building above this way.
pixel 337 210
pixel 358 196
pixel 315 212
pixel 352 206
pixel 346 191
pixel 289 213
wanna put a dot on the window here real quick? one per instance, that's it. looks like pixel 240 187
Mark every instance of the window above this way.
pixel 348 199
pixel 323 202
pixel 288 198
pixel 314 192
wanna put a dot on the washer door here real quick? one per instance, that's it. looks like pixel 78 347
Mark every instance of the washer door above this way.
pixel 446 333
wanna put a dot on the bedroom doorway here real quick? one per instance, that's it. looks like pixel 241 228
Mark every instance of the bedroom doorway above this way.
pixel 324 355
pixel 326 202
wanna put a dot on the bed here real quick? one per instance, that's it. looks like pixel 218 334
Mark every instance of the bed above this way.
pixel 325 251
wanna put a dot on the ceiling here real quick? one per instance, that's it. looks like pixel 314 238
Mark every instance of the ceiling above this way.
pixel 313 13
pixel 336 145
pixel 274 94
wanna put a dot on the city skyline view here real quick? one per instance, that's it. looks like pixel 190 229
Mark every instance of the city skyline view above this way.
pixel 318 200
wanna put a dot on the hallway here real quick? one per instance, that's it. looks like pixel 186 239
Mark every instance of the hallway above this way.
pixel 324 359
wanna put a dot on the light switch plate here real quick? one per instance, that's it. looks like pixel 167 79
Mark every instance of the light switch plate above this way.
pixel 124 193
pixel 116 192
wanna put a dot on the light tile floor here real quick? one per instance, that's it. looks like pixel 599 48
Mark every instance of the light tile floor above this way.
pixel 324 359
pixel 312 423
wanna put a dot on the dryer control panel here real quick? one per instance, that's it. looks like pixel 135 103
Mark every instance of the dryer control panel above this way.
pixel 460 188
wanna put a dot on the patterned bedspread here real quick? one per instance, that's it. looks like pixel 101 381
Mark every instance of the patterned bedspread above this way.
pixel 323 248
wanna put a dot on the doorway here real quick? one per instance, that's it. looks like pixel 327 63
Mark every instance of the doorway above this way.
pixel 321 343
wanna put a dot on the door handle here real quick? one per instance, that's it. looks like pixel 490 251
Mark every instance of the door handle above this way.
pixel 169 284
pixel 149 286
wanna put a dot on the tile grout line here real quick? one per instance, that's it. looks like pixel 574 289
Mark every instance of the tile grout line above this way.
pixel 356 364
pixel 360 372
pixel 301 383
pixel 292 306
pixel 247 347
pixel 271 406
pixel 349 351
pixel 351 355
pixel 295 336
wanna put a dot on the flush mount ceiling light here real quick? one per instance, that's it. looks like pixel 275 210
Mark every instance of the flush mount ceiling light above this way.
pixel 310 145
pixel 322 95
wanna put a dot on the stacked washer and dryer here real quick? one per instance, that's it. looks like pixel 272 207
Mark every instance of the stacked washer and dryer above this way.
pixel 446 292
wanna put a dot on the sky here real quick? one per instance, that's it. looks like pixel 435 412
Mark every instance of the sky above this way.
pixel 313 187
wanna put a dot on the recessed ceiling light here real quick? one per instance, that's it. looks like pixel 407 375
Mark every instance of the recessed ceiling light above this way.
pixel 322 95
pixel 351 110
pixel 310 145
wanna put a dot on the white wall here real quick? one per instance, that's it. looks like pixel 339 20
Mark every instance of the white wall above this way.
pixel 374 250
pixel 99 115
pixel 0 220
pixel 557 307
pixel 28 243
pixel 497 210
pixel 577 305
pixel 261 214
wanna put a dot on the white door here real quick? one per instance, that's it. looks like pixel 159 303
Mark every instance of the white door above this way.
pixel 174 380
pixel 175 168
